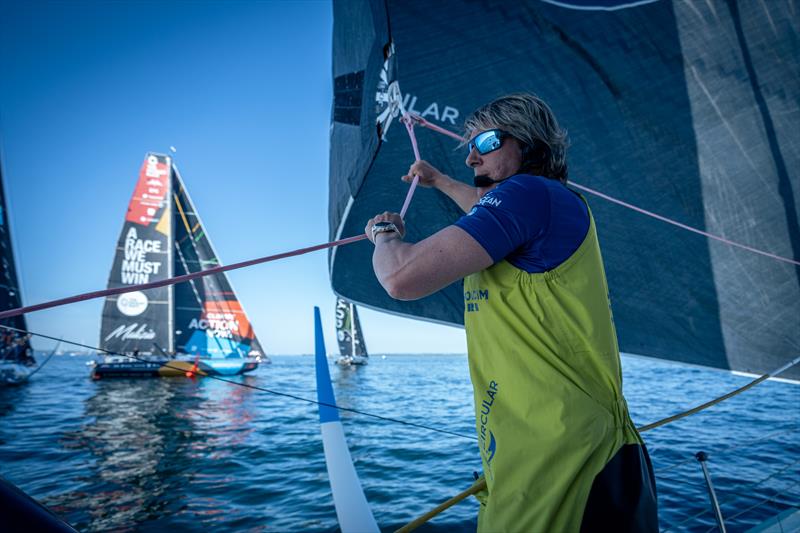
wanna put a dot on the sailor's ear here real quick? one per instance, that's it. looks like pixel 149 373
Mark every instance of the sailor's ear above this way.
pixel 534 155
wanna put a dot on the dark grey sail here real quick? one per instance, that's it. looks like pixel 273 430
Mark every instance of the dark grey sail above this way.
pixel 14 346
pixel 141 320
pixel 348 330
pixel 209 319
pixel 686 109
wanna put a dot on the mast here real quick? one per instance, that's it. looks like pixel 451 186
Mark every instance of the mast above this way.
pixel 171 261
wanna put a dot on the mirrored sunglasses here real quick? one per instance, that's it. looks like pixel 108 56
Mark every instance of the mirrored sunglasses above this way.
pixel 487 141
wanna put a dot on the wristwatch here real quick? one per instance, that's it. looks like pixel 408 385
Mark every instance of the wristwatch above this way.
pixel 383 227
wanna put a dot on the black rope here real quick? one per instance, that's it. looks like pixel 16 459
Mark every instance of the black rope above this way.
pixel 41 366
pixel 255 387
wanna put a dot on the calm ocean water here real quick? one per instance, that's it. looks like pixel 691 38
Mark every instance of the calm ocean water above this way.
pixel 154 454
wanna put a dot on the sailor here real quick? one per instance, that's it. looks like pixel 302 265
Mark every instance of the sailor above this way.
pixel 558 447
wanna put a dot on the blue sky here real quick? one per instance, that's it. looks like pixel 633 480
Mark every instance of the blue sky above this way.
pixel 241 89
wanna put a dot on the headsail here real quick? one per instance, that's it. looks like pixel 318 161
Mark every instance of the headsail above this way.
pixel 138 321
pixel 209 319
pixel 348 330
pixel 682 109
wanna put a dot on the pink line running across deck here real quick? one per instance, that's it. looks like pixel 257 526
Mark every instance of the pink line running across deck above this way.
pixel 409 119
pixel 172 281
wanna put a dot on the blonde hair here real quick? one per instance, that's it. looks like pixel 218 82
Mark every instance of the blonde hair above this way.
pixel 531 121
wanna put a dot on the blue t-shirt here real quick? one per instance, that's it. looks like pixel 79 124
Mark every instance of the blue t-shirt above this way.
pixel 533 222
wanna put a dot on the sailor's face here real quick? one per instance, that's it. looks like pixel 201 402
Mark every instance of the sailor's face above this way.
pixel 498 164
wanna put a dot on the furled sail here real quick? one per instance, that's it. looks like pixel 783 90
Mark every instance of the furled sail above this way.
pixel 209 318
pixel 348 330
pixel 14 346
pixel 685 109
pixel 139 321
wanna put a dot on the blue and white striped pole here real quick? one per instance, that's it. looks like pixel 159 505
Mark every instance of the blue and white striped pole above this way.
pixel 352 509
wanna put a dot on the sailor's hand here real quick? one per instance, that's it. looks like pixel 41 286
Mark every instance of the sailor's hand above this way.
pixel 388 225
pixel 429 176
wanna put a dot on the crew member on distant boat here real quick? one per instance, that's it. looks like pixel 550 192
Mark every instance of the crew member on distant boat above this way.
pixel 16 347
pixel 559 450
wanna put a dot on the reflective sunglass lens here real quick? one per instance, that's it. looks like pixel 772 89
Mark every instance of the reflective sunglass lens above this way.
pixel 486 142
pixel 489 143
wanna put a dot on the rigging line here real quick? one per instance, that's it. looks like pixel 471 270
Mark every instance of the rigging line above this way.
pixel 177 279
pixel 410 129
pixel 729 500
pixel 45 361
pixel 255 387
pixel 215 270
pixel 727 450
pixel 684 226
pixel 183 216
pixel 422 122
pixel 715 401
pixel 764 480
pixel 762 502
pixel 693 517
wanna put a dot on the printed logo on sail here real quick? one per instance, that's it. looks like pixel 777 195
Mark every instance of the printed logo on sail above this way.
pixel 388 99
pixel 132 303
pixel 132 332
pixel 136 268
pixel 221 325
pixel 488 443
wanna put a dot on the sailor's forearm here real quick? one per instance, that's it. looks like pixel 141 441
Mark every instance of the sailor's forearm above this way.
pixel 461 193
pixel 392 260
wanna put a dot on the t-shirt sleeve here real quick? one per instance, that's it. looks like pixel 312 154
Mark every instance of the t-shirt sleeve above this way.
pixel 512 215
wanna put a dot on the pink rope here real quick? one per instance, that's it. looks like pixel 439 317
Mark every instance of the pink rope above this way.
pixel 172 281
pixel 426 124
pixel 410 129
pixel 683 226
pixel 195 275
pixel 409 120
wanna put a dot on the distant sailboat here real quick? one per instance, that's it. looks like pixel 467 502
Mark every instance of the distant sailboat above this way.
pixel 16 355
pixel 348 333
pixel 196 327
